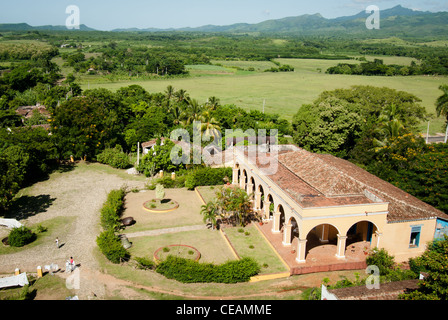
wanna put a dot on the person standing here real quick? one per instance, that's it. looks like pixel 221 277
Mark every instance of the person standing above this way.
pixel 72 264
pixel 57 242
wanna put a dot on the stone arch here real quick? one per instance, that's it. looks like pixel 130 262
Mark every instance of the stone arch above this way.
pixel 251 186
pixel 362 230
pixel 260 191
pixel 243 179
pixel 324 234
pixel 281 210
pixel 291 231
pixel 266 204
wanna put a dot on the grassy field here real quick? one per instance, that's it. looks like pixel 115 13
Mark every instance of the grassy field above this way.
pixel 286 92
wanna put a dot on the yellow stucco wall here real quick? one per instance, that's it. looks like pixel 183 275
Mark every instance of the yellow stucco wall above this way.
pixel 396 236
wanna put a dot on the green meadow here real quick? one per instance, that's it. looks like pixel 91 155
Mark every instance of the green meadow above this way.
pixel 283 93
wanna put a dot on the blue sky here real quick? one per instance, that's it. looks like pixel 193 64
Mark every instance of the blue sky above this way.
pixel 108 15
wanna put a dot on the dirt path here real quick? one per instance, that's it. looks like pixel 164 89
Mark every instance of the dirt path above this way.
pixel 80 194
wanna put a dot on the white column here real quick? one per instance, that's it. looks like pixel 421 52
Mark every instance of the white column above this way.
pixel 340 254
pixel 301 251
pixel 235 176
pixel 276 223
pixel 287 231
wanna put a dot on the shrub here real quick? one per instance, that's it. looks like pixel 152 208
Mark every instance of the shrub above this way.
pixel 110 245
pixel 144 263
pixel 19 237
pixel 189 271
pixel 114 157
pixel 169 183
pixel 381 259
pixel 207 177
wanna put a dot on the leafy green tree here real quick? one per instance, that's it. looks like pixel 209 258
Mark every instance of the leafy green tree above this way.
pixel 424 174
pixel 442 102
pixel 159 158
pixel 331 126
pixel 235 205
pixel 434 262
pixel 372 101
pixel 85 126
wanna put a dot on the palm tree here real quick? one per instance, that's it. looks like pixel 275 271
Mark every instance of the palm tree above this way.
pixel 389 131
pixel 194 111
pixel 169 92
pixel 210 213
pixel 442 102
pixel 213 103
pixel 210 126
pixel 182 96
pixel 389 126
pixel 177 113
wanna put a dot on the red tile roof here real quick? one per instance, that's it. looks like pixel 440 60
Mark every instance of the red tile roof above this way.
pixel 340 180
pixel 386 291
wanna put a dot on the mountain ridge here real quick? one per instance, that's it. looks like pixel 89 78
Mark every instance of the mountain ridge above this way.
pixel 395 20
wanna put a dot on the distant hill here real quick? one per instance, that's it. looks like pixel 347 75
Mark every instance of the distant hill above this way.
pixel 394 21
pixel 27 27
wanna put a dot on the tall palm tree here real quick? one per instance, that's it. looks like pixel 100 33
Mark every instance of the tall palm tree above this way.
pixel 210 126
pixel 178 114
pixel 169 92
pixel 213 103
pixel 194 111
pixel 442 102
pixel 181 96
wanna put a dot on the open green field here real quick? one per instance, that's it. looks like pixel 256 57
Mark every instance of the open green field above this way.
pixel 286 92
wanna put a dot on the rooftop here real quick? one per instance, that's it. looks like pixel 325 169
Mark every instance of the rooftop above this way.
pixel 387 291
pixel 318 180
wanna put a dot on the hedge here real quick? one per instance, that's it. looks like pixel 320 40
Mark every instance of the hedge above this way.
pixel 207 177
pixel 110 245
pixel 108 242
pixel 112 210
pixel 189 271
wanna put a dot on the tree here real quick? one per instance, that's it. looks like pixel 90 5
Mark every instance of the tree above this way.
pixel 235 205
pixel 159 158
pixel 85 126
pixel 434 262
pixel 210 213
pixel 442 102
pixel 209 126
pixel 330 126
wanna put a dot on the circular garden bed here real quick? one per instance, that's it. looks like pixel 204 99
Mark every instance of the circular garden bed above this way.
pixel 165 205
pixel 178 250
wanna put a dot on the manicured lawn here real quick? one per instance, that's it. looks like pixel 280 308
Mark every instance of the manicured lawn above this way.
pixel 209 243
pixel 251 243
pixel 188 213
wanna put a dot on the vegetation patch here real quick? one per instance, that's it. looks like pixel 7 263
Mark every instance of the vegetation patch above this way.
pixel 156 205
pixel 178 250
pixel 189 271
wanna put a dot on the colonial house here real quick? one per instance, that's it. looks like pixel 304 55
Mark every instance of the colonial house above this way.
pixel 319 197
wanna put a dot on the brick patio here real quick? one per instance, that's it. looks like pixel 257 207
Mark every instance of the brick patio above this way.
pixel 319 257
